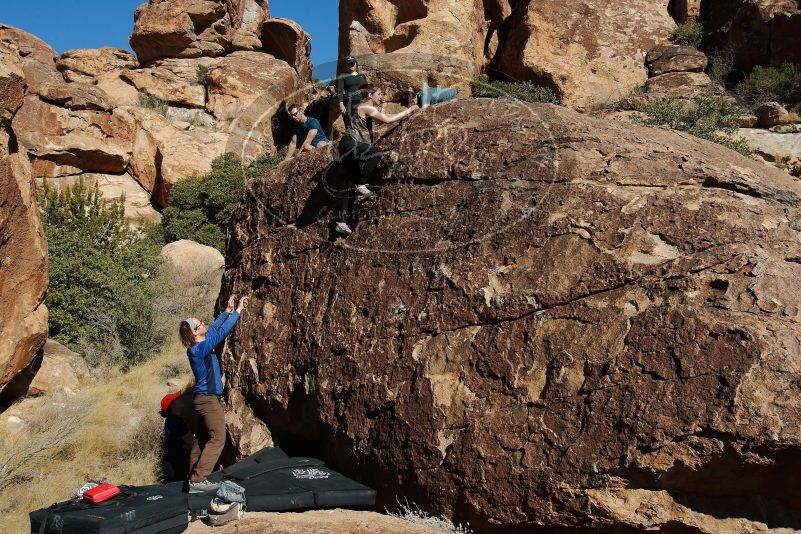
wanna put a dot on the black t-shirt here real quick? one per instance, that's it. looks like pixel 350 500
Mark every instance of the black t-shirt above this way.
pixel 348 88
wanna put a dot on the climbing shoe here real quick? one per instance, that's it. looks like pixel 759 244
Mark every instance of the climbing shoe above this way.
pixel 363 191
pixel 343 229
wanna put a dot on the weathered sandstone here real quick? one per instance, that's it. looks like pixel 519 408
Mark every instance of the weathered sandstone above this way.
pixel 543 321
pixel 195 28
pixel 590 52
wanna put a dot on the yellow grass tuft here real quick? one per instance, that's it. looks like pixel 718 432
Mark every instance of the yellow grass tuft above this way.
pixel 110 428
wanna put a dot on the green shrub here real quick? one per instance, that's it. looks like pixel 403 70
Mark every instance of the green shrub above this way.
pixel 721 63
pixel 688 33
pixel 707 117
pixel 483 87
pixel 146 100
pixel 202 74
pixel 100 292
pixel 200 208
pixel 768 84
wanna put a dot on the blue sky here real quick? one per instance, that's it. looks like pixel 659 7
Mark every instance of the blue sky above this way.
pixel 93 23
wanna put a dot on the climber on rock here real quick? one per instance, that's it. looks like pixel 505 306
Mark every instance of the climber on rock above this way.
pixel 358 154
pixel 349 89
pixel 307 130
pixel 200 342
pixel 428 96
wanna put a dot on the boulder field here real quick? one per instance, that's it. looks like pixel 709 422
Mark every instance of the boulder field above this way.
pixel 544 322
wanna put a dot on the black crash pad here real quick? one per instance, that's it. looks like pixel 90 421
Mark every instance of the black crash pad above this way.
pixel 273 483
pixel 144 510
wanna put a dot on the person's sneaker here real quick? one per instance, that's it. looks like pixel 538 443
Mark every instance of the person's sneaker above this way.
pixel 202 486
pixel 343 229
pixel 362 190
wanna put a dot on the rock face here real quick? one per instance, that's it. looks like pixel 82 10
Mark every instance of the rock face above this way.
pixel 403 44
pixel 590 52
pixel 759 32
pixel 284 39
pixel 87 140
pixel 542 320
pixel 675 58
pixel 23 273
pixel 195 28
pixel 779 148
pixel 23 250
pixel 87 64
pixel 679 83
pixel 61 370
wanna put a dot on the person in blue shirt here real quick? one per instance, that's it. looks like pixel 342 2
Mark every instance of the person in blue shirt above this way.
pixel 200 342
pixel 428 96
pixel 308 132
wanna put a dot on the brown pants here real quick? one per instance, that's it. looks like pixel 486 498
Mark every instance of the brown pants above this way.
pixel 203 458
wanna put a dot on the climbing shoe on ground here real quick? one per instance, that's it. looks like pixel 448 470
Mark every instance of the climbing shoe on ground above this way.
pixel 202 486
pixel 363 191
pixel 343 229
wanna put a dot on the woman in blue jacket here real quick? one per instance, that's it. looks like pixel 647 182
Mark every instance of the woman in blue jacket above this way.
pixel 200 342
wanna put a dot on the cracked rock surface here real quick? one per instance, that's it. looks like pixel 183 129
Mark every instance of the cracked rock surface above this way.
pixel 544 322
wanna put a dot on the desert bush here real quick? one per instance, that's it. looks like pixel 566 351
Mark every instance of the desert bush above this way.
pixel 688 33
pixel 100 269
pixel 484 87
pixel 47 433
pixel 146 100
pixel 202 74
pixel 706 116
pixel 146 440
pixel 721 63
pixel 411 512
pixel 769 84
pixel 201 207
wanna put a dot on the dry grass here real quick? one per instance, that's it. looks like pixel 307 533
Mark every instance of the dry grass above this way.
pixel 109 429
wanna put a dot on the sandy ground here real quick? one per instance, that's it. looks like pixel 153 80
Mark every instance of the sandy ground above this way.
pixel 315 522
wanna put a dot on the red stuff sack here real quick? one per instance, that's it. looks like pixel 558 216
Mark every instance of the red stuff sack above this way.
pixel 101 493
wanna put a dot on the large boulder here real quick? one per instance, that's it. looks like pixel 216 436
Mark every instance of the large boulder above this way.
pixel 163 154
pixel 175 81
pixel 675 58
pixel 246 91
pixel 402 44
pixel 87 64
pixel 590 51
pixel 195 28
pixel 23 275
pixel 35 58
pixel 239 80
pixel 782 149
pixel 284 39
pixel 88 140
pixel 61 370
pixel 543 320
pixel 758 32
pixel 679 84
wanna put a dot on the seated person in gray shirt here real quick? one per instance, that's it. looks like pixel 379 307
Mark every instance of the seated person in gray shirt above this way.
pixel 308 132
pixel 428 96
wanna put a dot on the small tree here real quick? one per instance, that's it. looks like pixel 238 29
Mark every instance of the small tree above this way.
pixel 100 273
pixel 706 116
pixel 201 208
pixel 688 33
pixel 767 84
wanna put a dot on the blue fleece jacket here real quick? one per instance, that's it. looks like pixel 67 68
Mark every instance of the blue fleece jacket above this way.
pixel 208 379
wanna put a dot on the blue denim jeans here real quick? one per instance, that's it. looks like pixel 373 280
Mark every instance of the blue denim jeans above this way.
pixel 435 95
